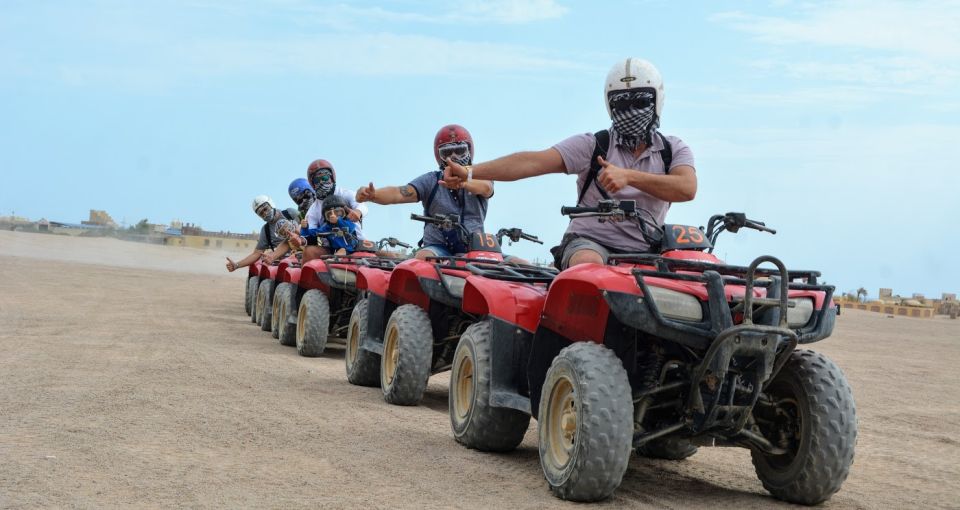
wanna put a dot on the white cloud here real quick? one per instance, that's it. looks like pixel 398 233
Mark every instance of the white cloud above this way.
pixel 925 28
pixel 862 51
pixel 465 11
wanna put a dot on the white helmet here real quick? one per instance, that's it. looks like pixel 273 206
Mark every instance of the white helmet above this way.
pixel 634 73
pixel 258 202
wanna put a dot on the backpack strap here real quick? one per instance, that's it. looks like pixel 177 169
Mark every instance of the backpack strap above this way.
pixel 666 154
pixel 432 195
pixel 600 149
pixel 266 235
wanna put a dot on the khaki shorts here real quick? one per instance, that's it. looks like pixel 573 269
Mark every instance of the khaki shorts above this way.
pixel 579 244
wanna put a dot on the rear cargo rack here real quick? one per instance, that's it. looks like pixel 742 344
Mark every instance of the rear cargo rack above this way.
pixel 523 273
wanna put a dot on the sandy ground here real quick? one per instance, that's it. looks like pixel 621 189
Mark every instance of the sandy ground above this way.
pixel 129 382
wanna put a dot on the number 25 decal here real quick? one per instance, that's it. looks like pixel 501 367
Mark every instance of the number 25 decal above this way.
pixel 687 235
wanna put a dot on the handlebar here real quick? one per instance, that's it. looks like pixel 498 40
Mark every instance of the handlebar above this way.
pixel 393 242
pixel 515 235
pixel 577 210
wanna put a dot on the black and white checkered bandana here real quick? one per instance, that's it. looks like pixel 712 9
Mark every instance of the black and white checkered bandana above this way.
pixel 633 125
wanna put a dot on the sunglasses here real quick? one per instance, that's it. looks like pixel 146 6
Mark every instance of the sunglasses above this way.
pixel 453 149
pixel 337 210
pixel 322 177
pixel 625 100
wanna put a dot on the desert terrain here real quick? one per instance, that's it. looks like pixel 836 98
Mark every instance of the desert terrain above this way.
pixel 130 376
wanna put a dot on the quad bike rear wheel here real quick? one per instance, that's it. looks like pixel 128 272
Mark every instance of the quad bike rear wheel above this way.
pixel 407 355
pixel 313 323
pixel 585 423
pixel 363 367
pixel 249 297
pixel 288 328
pixel 475 423
pixel 810 412
pixel 265 304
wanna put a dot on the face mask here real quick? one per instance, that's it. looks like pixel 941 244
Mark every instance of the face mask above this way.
pixel 265 212
pixel 634 117
pixel 323 183
pixel 459 152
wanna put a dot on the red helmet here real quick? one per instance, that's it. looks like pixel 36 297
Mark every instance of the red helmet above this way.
pixel 317 164
pixel 452 134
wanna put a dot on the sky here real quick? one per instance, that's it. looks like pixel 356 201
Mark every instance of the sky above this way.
pixel 834 122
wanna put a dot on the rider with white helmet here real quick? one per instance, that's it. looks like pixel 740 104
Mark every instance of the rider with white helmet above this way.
pixel 630 160
pixel 278 225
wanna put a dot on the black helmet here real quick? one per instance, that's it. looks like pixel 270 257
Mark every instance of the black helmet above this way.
pixel 333 202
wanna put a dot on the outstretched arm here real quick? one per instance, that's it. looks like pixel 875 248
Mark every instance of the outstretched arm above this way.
pixel 508 168
pixel 388 195
pixel 246 261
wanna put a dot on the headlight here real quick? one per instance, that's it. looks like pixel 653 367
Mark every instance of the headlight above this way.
pixel 799 315
pixel 676 305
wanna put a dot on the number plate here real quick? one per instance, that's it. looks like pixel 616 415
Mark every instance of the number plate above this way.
pixel 480 241
pixel 684 237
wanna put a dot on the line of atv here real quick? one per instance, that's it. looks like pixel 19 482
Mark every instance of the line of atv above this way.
pixel 654 353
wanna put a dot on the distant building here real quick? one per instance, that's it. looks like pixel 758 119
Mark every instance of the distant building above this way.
pixel 192 236
pixel 100 218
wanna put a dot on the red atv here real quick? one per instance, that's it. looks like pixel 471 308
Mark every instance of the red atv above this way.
pixel 659 353
pixel 313 303
pixel 407 326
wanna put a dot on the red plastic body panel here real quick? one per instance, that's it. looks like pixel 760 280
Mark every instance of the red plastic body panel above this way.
pixel 701 256
pixel 515 303
pixel 308 275
pixel 404 287
pixel 254 269
pixel 374 280
pixel 268 271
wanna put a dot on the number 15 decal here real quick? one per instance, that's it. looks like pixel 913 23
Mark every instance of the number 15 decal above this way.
pixel 687 235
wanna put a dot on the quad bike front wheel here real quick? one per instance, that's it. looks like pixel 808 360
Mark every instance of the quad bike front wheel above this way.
pixel 288 328
pixel 281 329
pixel 363 367
pixel 249 297
pixel 253 285
pixel 275 316
pixel 585 423
pixel 475 423
pixel 407 355
pixel 808 410
pixel 265 304
pixel 313 323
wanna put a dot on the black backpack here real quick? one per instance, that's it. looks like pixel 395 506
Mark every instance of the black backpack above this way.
pixel 603 143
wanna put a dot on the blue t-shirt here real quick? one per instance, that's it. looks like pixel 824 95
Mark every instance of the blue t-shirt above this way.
pixel 471 208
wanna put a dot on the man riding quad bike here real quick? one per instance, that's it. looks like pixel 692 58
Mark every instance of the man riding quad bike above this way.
pixel 657 353
pixel 407 326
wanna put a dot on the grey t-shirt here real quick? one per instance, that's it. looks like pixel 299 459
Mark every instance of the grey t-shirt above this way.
pixel 265 243
pixel 471 208
pixel 576 152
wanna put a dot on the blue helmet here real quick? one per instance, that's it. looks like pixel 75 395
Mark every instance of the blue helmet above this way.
pixel 297 188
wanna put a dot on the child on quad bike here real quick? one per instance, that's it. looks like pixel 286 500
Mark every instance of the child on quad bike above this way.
pixel 345 238
pixel 629 161
pixel 468 200
pixel 274 236
pixel 323 179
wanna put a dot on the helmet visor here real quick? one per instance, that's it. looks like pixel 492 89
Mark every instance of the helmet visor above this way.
pixel 333 214
pixel 454 150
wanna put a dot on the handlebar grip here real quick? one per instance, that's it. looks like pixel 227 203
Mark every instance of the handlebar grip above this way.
pixel 758 225
pixel 574 210
pixel 405 245
pixel 420 218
